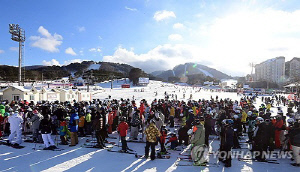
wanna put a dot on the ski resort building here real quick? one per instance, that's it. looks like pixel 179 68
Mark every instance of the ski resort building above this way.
pixel 272 70
pixel 36 94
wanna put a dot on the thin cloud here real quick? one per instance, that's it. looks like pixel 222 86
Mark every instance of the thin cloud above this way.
pixel 130 9
pixel 1 51
pixel 46 41
pixel 14 49
pixel 163 15
pixel 95 50
pixel 178 26
pixel 81 29
pixel 175 37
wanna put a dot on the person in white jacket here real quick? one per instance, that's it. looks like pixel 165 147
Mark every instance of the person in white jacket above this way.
pixel 15 121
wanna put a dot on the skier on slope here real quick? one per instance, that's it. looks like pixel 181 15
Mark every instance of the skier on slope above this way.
pixel 15 121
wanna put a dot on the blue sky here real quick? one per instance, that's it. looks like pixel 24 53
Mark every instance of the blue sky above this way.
pixel 152 34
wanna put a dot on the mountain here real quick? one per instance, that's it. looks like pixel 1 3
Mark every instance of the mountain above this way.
pixel 189 69
pixel 98 71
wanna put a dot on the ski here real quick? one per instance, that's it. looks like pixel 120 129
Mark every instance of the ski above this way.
pixel 191 164
pixel 136 141
pixel 15 146
pixel 120 151
pixel 157 157
pixel 48 149
pixel 184 158
pixel 254 160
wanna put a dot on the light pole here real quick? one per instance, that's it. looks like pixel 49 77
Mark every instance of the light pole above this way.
pixel 18 35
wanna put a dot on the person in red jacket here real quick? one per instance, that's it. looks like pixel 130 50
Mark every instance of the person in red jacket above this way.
pixel 122 130
pixel 173 140
pixel 110 120
pixel 278 129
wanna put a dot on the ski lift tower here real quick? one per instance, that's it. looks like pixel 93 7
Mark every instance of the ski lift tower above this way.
pixel 18 35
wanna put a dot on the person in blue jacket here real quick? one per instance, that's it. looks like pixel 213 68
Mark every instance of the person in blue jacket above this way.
pixel 73 127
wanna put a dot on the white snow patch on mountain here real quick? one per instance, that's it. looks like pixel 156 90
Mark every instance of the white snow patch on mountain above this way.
pixel 206 73
pixel 94 66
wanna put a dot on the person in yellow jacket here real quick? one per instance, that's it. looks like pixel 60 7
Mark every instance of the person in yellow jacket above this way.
pixel 88 122
pixel 152 133
pixel 244 121
pixel 171 118
pixel 81 125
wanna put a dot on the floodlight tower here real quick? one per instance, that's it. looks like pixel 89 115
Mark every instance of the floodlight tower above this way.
pixel 18 35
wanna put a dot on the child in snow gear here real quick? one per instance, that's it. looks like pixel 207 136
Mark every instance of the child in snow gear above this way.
pixel 63 129
pixel 122 130
pixel 173 140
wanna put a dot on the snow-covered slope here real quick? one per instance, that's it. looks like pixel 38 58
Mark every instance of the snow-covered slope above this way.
pixel 94 67
pixel 89 159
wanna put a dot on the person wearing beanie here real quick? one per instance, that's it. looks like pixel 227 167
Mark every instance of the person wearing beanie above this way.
pixel 36 120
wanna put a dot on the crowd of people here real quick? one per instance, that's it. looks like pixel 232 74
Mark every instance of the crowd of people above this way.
pixel 193 121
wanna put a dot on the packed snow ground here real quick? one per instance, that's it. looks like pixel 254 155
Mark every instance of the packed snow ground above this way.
pixel 89 159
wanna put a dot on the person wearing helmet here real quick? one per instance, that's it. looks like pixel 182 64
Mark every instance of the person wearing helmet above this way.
pixel 73 125
pixel 295 142
pixel 251 124
pixel 259 139
pixel 236 130
pixel 152 133
pixel 122 130
pixel 15 121
pixel 198 144
pixel 88 120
